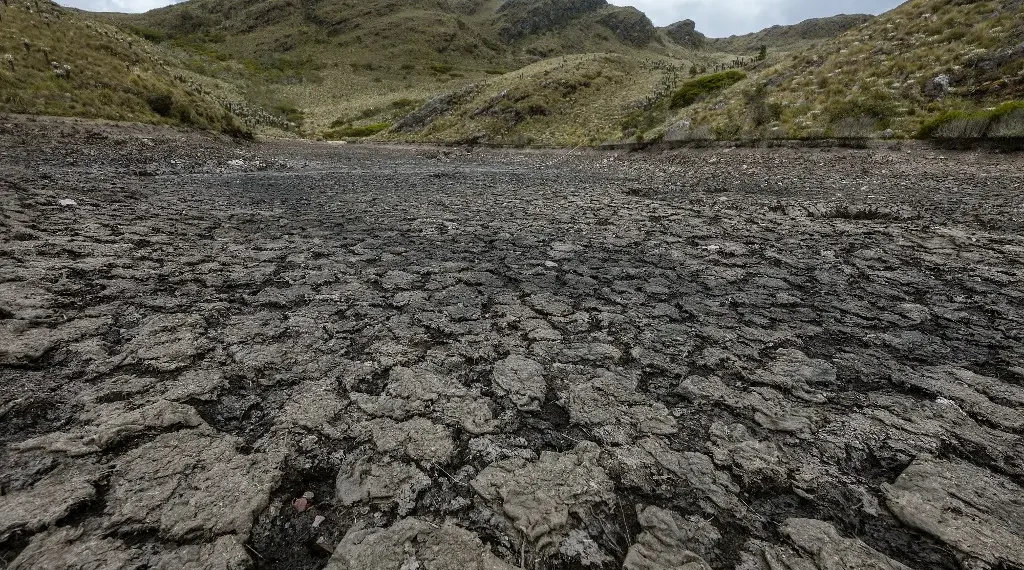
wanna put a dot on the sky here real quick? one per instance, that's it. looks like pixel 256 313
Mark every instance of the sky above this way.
pixel 723 18
pixel 715 18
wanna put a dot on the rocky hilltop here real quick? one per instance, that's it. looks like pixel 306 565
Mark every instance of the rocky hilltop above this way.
pixel 685 33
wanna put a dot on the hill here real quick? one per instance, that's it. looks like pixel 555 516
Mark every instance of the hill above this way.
pixel 554 72
pixel 788 38
pixel 927 68
pixel 60 62
pixel 337 65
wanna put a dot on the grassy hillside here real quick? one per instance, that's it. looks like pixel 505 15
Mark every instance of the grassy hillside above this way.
pixel 553 72
pixel 790 38
pixel 947 68
pixel 57 62
pixel 335 60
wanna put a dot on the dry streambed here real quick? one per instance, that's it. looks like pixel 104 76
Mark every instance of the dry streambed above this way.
pixel 307 356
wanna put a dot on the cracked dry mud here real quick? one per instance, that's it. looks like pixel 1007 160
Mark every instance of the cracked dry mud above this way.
pixel 786 359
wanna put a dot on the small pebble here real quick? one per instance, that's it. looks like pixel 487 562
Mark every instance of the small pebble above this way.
pixel 319 520
pixel 308 495
pixel 300 504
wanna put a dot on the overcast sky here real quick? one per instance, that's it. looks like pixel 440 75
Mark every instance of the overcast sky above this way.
pixel 716 18
pixel 722 18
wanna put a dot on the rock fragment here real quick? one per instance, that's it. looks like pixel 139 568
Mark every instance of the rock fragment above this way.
pixel 419 439
pixel 414 543
pixel 540 497
pixel 361 480
pixel 971 509
pixel 666 541
pixel 72 548
pixel 190 484
pixel 112 424
pixel 418 392
pixel 522 380
pixel 45 503
pixel 804 377
pixel 615 410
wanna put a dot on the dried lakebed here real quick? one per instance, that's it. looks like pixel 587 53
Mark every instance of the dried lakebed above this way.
pixel 293 355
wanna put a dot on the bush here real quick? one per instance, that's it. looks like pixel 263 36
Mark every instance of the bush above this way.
pixel 692 91
pixel 760 110
pixel 357 132
pixel 291 113
pixel 876 107
pixel 155 36
pixel 161 104
pixel 1005 121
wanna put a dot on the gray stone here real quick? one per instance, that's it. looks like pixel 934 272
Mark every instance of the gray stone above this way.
pixel 380 481
pixel 190 484
pixel 522 380
pixel 45 503
pixel 971 509
pixel 112 424
pixel 419 439
pixel 614 409
pixel 413 544
pixel 539 497
pixel 666 541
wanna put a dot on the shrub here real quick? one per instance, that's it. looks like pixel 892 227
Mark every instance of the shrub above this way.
pixel 694 90
pixel 161 104
pixel 760 110
pixel 291 113
pixel 357 132
pixel 155 36
pixel 873 106
pixel 441 68
pixel 1005 121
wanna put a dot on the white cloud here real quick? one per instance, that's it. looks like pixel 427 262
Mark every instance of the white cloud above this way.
pixel 131 6
pixel 720 18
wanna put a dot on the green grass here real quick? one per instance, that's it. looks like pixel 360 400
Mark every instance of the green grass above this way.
pixel 357 131
pixel 694 90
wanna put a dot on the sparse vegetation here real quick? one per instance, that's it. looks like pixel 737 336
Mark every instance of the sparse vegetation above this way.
pixel 1004 121
pixel 588 75
pixel 104 73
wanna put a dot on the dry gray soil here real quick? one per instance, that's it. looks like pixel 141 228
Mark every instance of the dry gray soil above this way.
pixel 298 356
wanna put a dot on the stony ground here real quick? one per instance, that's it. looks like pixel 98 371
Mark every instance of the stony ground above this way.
pixel 290 355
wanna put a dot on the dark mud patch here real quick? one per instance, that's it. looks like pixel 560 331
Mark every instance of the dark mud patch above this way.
pixel 842 507
pixel 285 538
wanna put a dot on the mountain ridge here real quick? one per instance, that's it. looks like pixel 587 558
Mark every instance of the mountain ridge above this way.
pixel 565 72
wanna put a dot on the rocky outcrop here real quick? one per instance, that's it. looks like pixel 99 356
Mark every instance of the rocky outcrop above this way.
pixel 518 19
pixel 629 25
pixel 685 34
